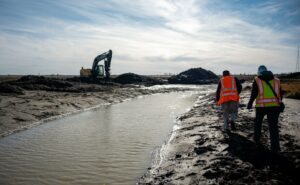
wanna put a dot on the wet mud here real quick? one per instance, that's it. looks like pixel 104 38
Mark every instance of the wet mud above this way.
pixel 199 152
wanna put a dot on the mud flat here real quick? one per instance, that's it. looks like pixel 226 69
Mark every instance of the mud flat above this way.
pixel 198 152
pixel 31 101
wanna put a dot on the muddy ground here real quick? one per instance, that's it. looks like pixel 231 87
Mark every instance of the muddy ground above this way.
pixel 200 153
pixel 31 100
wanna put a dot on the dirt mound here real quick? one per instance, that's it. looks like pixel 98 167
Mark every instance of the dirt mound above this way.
pixel 7 88
pixel 31 82
pixel 41 83
pixel 290 76
pixel 194 76
pixel 55 84
pixel 131 78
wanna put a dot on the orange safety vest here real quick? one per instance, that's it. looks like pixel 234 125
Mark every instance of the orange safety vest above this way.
pixel 266 97
pixel 229 90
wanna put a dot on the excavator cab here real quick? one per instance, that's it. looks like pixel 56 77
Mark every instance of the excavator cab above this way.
pixel 99 71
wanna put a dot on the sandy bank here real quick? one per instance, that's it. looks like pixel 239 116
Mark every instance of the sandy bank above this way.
pixel 200 153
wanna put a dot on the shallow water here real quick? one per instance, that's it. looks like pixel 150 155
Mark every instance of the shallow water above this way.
pixel 110 145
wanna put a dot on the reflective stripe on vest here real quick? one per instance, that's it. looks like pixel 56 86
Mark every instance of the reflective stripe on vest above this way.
pixel 228 90
pixel 229 94
pixel 266 97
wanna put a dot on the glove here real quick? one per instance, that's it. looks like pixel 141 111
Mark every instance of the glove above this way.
pixel 249 106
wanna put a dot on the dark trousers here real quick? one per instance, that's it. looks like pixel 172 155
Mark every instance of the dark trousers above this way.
pixel 272 115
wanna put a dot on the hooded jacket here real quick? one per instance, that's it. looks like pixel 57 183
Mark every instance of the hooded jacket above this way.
pixel 266 76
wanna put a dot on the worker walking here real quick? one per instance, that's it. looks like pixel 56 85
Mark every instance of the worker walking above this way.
pixel 227 96
pixel 267 92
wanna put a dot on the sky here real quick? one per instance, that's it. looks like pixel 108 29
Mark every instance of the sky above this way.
pixel 148 36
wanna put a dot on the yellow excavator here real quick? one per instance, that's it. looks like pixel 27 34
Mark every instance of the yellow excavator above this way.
pixel 99 71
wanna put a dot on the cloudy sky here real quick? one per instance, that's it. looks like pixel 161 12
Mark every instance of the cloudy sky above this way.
pixel 148 36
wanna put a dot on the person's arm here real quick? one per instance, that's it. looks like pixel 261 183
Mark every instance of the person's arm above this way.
pixel 218 92
pixel 253 96
pixel 238 85
pixel 281 92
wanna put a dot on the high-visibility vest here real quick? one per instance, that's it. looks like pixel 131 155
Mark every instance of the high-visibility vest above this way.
pixel 229 90
pixel 266 97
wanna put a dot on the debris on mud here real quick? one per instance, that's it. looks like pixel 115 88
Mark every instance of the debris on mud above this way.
pixel 194 76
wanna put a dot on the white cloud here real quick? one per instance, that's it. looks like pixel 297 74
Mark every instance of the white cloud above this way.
pixel 183 35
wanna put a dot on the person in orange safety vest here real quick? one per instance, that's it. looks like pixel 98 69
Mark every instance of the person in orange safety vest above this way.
pixel 227 96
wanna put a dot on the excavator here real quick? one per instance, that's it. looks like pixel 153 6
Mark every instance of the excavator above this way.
pixel 97 71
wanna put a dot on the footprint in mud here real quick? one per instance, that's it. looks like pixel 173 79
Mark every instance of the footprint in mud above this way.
pixel 200 163
pixel 199 142
pixel 211 174
pixel 202 150
pixel 190 127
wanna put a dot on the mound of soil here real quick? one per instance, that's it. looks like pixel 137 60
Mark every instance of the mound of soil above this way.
pixel 31 82
pixel 131 78
pixel 7 88
pixel 75 84
pixel 41 83
pixel 290 76
pixel 194 76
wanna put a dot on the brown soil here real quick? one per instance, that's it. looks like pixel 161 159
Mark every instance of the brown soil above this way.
pixel 291 88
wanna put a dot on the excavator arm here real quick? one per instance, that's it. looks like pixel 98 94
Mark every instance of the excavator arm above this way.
pixel 107 61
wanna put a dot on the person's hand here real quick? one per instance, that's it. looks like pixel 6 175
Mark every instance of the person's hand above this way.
pixel 249 106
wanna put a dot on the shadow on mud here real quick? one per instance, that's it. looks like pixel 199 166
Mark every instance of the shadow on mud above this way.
pixel 262 158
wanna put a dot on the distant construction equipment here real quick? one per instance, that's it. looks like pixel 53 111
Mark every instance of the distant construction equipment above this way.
pixel 97 71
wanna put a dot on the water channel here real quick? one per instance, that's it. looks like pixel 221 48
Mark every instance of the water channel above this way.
pixel 110 145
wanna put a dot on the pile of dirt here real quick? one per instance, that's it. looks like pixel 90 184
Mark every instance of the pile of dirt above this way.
pixel 31 82
pixel 76 85
pixel 131 78
pixel 11 89
pixel 194 76
pixel 41 83
pixel 290 76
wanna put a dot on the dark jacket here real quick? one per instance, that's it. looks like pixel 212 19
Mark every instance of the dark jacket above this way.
pixel 238 85
pixel 266 76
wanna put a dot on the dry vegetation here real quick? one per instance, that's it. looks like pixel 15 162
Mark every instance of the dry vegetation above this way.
pixel 291 88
